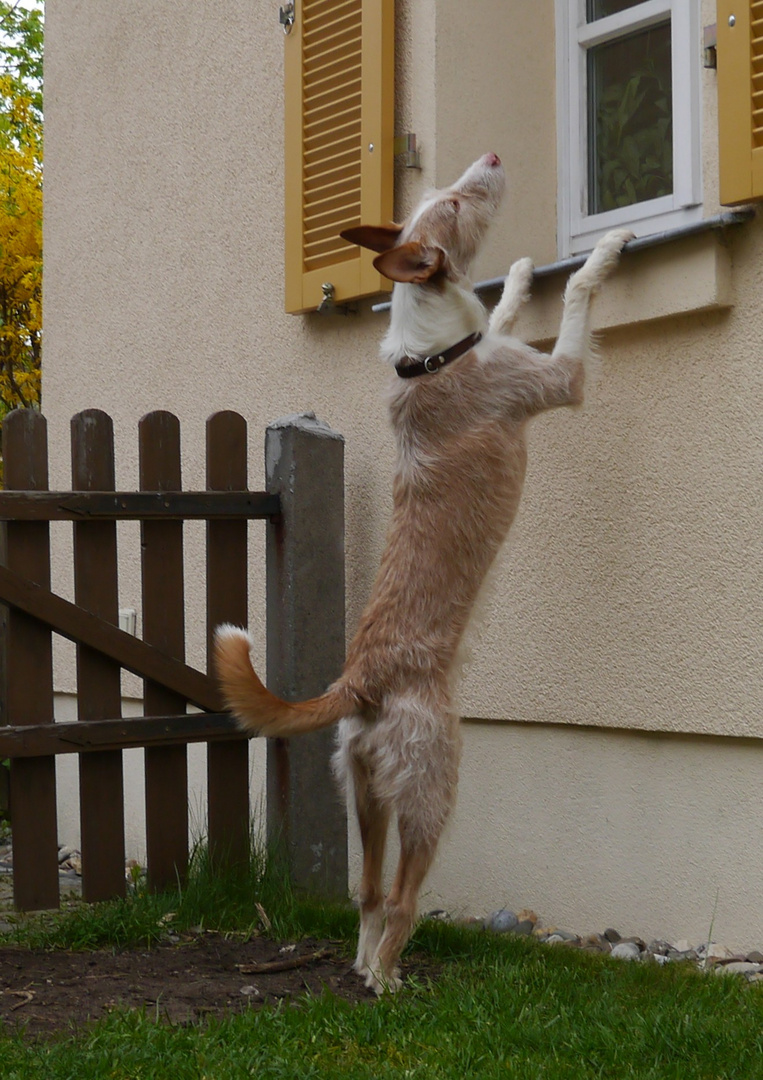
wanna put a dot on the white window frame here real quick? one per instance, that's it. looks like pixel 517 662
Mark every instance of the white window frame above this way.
pixel 577 230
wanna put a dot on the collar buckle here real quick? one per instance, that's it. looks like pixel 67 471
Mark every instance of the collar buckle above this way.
pixel 430 364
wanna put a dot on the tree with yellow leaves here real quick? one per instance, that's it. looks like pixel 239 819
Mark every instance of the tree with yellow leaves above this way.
pixel 21 33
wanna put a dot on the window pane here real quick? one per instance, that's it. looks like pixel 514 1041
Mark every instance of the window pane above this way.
pixel 630 120
pixel 599 9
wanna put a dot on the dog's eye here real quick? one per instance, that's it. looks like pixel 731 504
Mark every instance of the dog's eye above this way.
pixel 455 204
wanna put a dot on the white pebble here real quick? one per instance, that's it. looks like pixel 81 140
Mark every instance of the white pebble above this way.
pixel 626 950
pixel 736 967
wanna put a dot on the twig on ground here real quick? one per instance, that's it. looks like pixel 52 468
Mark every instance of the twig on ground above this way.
pixel 27 995
pixel 287 964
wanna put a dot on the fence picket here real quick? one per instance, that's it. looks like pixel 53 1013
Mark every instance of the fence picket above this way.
pixel 227 762
pixel 29 683
pixel 98 678
pixel 163 626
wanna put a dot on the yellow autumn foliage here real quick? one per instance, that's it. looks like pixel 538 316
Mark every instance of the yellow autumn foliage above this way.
pixel 20 247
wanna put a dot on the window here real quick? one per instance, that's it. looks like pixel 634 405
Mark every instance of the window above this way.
pixel 339 137
pixel 628 117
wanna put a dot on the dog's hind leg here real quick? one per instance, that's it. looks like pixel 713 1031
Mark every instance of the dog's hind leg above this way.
pixel 427 778
pixel 516 292
pixel 416 855
pixel 373 820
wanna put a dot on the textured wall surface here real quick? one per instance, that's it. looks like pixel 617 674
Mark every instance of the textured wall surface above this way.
pixel 629 594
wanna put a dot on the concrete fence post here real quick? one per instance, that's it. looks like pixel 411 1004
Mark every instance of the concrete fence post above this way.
pixel 304 463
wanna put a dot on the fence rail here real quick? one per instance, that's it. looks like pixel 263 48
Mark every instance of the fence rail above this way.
pixel 304 463
pixel 137 505
pixel 81 736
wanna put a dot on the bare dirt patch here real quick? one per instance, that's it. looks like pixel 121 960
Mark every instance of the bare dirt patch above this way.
pixel 209 976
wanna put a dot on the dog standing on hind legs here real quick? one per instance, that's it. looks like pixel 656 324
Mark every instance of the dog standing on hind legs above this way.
pixel 463 394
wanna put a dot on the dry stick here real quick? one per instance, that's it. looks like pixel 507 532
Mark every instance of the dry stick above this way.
pixel 27 995
pixel 287 964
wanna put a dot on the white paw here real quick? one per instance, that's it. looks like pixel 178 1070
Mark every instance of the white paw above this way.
pixel 516 292
pixel 381 983
pixel 613 242
pixel 519 279
pixel 602 260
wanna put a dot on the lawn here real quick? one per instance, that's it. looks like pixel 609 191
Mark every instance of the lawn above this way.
pixel 479 1005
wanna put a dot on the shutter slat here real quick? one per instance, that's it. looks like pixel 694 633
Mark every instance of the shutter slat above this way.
pixel 329 38
pixel 326 105
pixel 332 217
pixel 331 24
pixel 325 236
pixel 331 156
pixel 316 10
pixel 336 199
pixel 325 186
pixel 332 139
pixel 336 72
pixel 321 127
pixel 321 179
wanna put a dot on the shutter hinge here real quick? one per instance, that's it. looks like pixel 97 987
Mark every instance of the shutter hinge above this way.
pixel 710 46
pixel 286 16
pixel 405 147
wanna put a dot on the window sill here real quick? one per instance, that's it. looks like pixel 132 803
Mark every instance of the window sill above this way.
pixel 691 273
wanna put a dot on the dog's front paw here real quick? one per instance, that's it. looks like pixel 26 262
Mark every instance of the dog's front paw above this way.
pixel 604 258
pixel 614 241
pixel 516 292
pixel 519 279
pixel 607 251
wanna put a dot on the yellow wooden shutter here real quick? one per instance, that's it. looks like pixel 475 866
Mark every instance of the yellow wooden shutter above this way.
pixel 339 106
pixel 740 100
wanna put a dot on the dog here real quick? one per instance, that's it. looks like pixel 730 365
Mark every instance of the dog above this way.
pixel 463 394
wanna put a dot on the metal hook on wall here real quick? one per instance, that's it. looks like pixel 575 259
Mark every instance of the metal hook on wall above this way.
pixel 286 16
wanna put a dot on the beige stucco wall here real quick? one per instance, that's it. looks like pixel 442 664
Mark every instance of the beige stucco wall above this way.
pixel 628 596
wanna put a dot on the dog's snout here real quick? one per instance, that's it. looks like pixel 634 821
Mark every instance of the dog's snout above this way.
pixel 492 160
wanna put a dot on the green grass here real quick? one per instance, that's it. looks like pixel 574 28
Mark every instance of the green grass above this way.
pixel 206 900
pixel 498 1007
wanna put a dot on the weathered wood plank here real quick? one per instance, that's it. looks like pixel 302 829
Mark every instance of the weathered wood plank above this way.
pixel 137 656
pixel 136 505
pixel 94 736
pixel 164 626
pixel 99 689
pixel 30 674
pixel 227 570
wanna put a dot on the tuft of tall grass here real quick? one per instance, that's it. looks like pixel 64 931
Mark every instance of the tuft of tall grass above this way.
pixel 242 899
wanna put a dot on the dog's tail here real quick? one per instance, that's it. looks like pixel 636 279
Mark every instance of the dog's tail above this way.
pixel 259 711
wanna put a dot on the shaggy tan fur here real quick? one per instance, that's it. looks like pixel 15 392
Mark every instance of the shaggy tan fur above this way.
pixel 461 456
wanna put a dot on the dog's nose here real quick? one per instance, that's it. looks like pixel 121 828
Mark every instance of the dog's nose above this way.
pixel 492 159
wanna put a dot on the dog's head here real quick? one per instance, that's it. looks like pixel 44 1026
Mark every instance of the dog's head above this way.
pixel 443 234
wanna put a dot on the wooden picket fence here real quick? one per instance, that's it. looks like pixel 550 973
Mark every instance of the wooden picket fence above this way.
pixel 302 507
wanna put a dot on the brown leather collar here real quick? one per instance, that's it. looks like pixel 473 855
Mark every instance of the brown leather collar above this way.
pixel 408 368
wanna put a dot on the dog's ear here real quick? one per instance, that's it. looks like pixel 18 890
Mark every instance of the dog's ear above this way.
pixel 412 263
pixel 374 237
